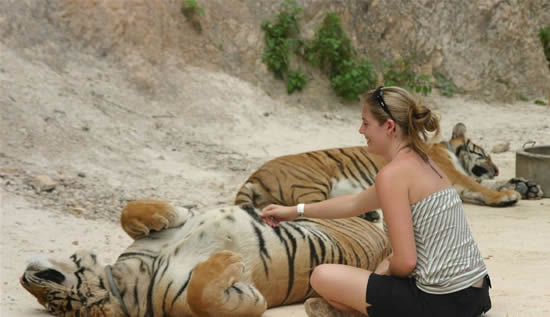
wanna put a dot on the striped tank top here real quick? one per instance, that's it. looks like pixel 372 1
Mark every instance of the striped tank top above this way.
pixel 448 259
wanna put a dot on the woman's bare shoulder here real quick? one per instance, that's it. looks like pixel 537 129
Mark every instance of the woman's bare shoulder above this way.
pixel 399 167
pixel 394 174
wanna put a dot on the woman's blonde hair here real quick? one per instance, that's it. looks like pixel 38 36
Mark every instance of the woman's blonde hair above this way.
pixel 415 120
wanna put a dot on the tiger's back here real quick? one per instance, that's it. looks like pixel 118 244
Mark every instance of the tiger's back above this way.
pixel 310 177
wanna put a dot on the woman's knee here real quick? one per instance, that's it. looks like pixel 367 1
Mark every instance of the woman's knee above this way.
pixel 319 277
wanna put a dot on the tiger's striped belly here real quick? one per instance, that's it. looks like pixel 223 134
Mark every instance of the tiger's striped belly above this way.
pixel 345 187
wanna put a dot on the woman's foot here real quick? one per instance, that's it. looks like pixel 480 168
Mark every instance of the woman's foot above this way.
pixel 318 307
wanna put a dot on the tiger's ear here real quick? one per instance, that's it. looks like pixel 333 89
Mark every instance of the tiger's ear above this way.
pixel 459 130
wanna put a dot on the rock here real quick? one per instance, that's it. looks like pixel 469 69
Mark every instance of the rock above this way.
pixel 6 172
pixel 332 116
pixel 76 211
pixel 43 183
pixel 501 147
pixel 464 42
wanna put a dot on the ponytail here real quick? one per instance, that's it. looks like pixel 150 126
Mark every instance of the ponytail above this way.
pixel 422 126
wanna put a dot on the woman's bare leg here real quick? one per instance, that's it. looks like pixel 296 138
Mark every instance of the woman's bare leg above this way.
pixel 344 287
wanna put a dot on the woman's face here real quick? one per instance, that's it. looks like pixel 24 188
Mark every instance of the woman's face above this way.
pixel 373 132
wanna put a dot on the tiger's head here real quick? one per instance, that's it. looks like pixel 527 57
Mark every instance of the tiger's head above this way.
pixel 473 158
pixel 70 288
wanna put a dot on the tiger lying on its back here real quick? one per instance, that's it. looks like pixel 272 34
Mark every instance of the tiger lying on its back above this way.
pixel 220 262
pixel 319 175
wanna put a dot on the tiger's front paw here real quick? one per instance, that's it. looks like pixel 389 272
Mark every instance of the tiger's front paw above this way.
pixel 222 269
pixel 503 198
pixel 218 288
pixel 527 189
pixel 139 217
pixel 211 282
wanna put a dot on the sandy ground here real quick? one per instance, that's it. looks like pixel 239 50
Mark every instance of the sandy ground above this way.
pixel 196 146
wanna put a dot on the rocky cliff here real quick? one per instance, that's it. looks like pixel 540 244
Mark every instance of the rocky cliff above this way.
pixel 489 49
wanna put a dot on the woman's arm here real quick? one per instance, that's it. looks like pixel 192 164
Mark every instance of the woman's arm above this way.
pixel 393 195
pixel 337 207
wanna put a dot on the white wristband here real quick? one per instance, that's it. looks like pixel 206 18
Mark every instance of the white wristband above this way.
pixel 300 210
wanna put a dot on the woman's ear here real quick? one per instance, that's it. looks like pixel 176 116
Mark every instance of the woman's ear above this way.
pixel 390 126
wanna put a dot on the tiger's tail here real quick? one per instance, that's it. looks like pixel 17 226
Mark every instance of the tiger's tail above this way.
pixel 256 194
pixel 245 196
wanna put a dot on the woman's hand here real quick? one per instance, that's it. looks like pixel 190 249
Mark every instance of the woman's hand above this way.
pixel 273 214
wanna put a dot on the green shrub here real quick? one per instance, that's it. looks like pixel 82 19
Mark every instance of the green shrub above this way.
pixel 540 102
pixel 278 38
pixel 401 73
pixel 522 97
pixel 332 52
pixel 296 81
pixel 331 46
pixel 353 79
pixel 191 11
pixel 544 35
pixel 446 86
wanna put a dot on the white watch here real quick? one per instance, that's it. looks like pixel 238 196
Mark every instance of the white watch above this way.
pixel 300 210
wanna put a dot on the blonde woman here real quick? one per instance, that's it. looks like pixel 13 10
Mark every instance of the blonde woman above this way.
pixel 436 268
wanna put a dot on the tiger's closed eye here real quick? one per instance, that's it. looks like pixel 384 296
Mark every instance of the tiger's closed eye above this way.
pixel 51 275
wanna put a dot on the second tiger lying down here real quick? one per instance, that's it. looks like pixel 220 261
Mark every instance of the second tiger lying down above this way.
pixel 319 175
pixel 220 262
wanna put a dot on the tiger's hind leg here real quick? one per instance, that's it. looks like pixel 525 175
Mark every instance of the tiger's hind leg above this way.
pixel 140 217
pixel 527 189
pixel 215 289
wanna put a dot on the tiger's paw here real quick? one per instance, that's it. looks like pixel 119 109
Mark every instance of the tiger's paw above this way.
pixel 317 306
pixel 504 198
pixel 491 197
pixel 221 270
pixel 216 288
pixel 140 217
pixel 527 189
pixel 372 216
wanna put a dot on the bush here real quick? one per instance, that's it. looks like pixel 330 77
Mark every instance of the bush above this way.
pixel 331 46
pixel 353 79
pixel 401 74
pixel 278 38
pixel 544 35
pixel 446 86
pixel 332 52
pixel 296 81
pixel 522 97
pixel 191 11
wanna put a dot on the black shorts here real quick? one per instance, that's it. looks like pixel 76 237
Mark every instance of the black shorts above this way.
pixel 391 296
